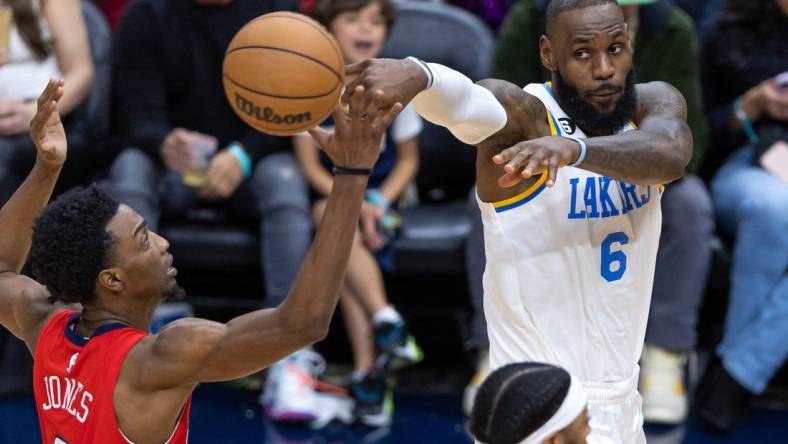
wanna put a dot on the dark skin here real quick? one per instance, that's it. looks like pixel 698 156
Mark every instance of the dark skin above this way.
pixel 574 433
pixel 591 49
pixel 161 371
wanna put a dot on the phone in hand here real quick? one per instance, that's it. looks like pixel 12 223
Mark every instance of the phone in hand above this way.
pixel 775 160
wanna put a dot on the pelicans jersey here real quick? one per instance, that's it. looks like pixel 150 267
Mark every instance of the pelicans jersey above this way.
pixel 570 268
pixel 74 380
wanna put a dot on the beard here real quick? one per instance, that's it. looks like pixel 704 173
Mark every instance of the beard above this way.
pixel 174 293
pixel 587 117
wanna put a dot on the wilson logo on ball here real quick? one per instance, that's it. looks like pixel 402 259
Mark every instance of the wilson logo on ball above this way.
pixel 268 114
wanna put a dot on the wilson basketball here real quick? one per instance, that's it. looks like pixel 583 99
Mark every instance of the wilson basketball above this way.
pixel 283 73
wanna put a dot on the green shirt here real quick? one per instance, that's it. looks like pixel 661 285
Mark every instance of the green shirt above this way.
pixel 669 55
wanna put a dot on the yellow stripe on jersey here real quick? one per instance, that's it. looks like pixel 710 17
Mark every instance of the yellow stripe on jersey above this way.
pixel 524 197
pixel 551 122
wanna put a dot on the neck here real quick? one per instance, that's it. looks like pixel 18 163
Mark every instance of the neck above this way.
pixel 97 315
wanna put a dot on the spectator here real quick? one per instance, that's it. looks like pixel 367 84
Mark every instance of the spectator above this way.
pixel 169 83
pixel 665 49
pixel 360 27
pixel 748 114
pixel 493 12
pixel 39 40
pixel 46 39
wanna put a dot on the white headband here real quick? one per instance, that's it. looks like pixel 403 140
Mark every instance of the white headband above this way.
pixel 573 405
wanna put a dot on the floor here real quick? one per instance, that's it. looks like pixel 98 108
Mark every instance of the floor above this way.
pixel 231 416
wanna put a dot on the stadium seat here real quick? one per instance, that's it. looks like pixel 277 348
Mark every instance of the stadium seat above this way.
pixel 433 234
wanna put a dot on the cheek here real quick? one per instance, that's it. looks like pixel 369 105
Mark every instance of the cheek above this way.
pixel 379 36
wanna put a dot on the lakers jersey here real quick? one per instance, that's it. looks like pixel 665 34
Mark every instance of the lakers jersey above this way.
pixel 570 268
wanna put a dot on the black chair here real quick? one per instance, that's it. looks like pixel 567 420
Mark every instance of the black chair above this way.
pixel 433 233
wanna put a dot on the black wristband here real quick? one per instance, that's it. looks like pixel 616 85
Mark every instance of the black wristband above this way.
pixel 352 171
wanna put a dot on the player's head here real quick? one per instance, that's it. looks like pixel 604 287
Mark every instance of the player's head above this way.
pixel 87 248
pixel 588 51
pixel 530 403
pixel 360 26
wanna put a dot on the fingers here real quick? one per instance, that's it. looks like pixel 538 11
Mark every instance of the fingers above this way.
pixel 552 170
pixel 536 164
pixel 356 68
pixel 385 120
pixel 53 91
pixel 357 102
pixel 506 155
pixel 320 135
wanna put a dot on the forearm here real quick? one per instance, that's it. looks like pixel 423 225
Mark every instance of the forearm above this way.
pixel 470 111
pixel 321 181
pixel 636 157
pixel 315 291
pixel 78 79
pixel 18 214
pixel 403 173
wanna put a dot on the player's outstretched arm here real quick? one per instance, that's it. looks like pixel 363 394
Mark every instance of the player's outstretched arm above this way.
pixel 18 294
pixel 192 350
pixel 655 153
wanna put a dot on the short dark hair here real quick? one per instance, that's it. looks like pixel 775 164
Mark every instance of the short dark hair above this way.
pixel 327 10
pixel 556 7
pixel 516 400
pixel 71 244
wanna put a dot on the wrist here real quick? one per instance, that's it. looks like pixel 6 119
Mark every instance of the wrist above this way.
pixel 578 146
pixel 375 197
pixel 745 121
pixel 751 103
pixel 244 161
pixel 426 78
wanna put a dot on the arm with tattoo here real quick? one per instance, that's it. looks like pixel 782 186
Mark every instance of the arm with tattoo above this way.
pixel 655 153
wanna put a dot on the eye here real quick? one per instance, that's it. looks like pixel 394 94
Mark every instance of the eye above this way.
pixel 616 49
pixel 145 238
pixel 582 54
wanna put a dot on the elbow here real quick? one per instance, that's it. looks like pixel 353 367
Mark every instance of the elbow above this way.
pixel 675 169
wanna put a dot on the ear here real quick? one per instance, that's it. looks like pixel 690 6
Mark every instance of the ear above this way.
pixel 546 53
pixel 554 439
pixel 112 279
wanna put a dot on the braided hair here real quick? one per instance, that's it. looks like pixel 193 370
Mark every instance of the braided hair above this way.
pixel 516 400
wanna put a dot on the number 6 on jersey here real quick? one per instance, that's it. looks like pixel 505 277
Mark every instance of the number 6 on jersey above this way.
pixel 613 257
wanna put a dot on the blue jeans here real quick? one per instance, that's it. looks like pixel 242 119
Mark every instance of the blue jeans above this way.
pixel 276 195
pixel 752 205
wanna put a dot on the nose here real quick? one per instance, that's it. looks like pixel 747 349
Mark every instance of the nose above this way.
pixel 163 243
pixel 603 67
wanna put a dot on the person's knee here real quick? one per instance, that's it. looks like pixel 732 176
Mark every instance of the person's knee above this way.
pixel 771 207
pixel 279 184
pixel 133 170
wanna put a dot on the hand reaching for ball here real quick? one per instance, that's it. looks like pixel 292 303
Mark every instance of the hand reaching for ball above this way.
pixel 46 130
pixel 355 142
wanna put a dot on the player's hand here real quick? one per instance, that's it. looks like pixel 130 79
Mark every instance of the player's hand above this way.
pixel 176 150
pixel 46 130
pixel 355 142
pixel 15 115
pixel 533 157
pixel 224 175
pixel 398 80
pixel 371 215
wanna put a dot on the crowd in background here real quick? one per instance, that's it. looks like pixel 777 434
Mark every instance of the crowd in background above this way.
pixel 175 144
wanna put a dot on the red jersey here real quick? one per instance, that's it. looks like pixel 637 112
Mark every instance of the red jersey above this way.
pixel 74 379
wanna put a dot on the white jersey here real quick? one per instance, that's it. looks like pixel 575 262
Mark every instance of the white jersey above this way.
pixel 570 268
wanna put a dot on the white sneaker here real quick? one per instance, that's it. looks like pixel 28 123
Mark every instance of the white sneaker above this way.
pixel 662 386
pixel 332 407
pixel 482 371
pixel 290 389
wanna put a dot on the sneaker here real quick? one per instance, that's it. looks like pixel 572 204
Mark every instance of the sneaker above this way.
pixel 482 371
pixel 289 392
pixel 662 386
pixel 397 348
pixel 374 400
pixel 331 407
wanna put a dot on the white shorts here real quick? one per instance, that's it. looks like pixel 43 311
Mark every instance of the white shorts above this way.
pixel 616 412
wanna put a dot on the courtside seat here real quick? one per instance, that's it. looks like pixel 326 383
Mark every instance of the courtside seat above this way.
pixel 206 243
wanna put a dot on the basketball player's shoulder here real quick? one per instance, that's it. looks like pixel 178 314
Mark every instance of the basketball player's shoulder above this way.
pixel 660 98
pixel 29 305
pixel 513 97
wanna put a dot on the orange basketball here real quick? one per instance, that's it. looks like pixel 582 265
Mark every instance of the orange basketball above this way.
pixel 283 73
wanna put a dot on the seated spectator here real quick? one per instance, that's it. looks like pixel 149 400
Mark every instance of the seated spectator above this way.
pixel 665 49
pixel 39 40
pixel 748 115
pixel 360 27
pixel 168 65
pixel 530 403
pixel 45 39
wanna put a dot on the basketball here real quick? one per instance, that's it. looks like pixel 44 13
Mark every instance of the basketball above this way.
pixel 283 73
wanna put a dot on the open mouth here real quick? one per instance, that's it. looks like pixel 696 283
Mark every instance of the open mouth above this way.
pixel 363 45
